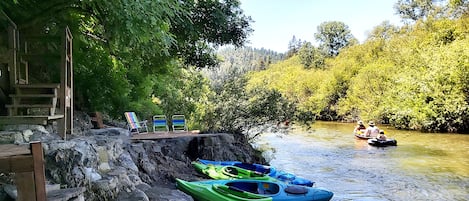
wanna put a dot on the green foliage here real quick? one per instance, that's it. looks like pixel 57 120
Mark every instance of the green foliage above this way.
pixel 236 62
pixel 413 9
pixel 137 55
pixel 384 31
pixel 458 8
pixel 208 24
pixel 294 82
pixel 415 77
pixel 98 88
pixel 237 109
pixel 310 56
pixel 294 46
pixel 183 91
pixel 127 54
pixel 333 36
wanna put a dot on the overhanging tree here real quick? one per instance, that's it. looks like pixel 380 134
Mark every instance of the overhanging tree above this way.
pixel 132 41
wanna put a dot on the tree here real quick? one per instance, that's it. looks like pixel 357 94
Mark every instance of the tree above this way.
pixel 384 31
pixel 119 46
pixel 293 46
pixel 236 62
pixel 459 8
pixel 310 56
pixel 413 10
pixel 334 36
pixel 207 25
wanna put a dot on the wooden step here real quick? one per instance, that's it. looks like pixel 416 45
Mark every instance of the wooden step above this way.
pixel 39 85
pixel 34 119
pixel 33 99
pixel 39 57
pixel 33 95
pixel 31 109
pixel 30 106
pixel 29 91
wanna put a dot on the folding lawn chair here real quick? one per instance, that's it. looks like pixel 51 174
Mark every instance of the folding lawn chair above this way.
pixel 159 123
pixel 133 124
pixel 179 123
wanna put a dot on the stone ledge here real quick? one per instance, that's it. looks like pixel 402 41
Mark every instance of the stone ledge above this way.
pixel 67 194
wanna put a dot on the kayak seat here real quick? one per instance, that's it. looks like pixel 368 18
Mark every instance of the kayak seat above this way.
pixel 268 188
pixel 246 166
pixel 244 186
pixel 231 170
pixel 235 189
pixel 297 190
pixel 252 167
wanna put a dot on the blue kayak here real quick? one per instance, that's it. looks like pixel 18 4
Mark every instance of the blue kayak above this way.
pixel 264 169
pixel 246 189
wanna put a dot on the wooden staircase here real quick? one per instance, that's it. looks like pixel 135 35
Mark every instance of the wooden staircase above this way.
pixel 34 103
pixel 37 99
pixel 39 56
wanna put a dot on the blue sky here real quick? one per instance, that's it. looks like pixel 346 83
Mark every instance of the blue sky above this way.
pixel 276 21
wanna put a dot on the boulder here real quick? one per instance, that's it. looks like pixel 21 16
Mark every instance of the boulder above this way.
pixel 111 166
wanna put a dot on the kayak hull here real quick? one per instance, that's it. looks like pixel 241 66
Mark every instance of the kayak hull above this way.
pixel 247 189
pixel 270 171
pixel 227 172
pixel 362 136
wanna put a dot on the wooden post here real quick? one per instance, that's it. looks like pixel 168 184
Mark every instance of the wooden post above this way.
pixel 69 66
pixel 39 174
pixel 12 67
pixel 66 86
pixel 25 186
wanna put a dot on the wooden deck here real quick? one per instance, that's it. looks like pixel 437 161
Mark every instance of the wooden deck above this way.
pixel 168 135
pixel 27 162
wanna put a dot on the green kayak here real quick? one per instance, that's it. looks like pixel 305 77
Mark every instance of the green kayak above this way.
pixel 217 192
pixel 251 189
pixel 228 172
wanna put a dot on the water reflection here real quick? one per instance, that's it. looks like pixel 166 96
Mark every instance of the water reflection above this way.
pixel 421 166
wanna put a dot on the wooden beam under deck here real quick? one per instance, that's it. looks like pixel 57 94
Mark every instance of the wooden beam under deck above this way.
pixel 39 120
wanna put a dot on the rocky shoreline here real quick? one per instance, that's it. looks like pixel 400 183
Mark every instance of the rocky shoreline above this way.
pixel 112 166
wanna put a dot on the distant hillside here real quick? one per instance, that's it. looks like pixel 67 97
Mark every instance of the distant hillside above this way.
pixel 236 62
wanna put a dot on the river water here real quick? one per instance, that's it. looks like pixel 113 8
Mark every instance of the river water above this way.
pixel 423 166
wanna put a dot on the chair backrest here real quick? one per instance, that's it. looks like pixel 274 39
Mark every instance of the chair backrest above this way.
pixel 159 122
pixel 179 123
pixel 132 120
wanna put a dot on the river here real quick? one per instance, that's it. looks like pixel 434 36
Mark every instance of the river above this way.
pixel 424 166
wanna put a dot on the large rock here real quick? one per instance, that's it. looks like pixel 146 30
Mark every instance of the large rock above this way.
pixel 11 137
pixel 113 167
pixel 17 134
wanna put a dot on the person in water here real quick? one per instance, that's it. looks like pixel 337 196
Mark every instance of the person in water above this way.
pixel 381 136
pixel 360 126
pixel 372 130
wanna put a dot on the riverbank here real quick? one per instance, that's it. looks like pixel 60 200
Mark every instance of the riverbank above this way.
pixel 112 166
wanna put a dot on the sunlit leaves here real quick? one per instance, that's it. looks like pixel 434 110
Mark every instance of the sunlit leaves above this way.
pixel 127 51
pixel 413 9
pixel 415 77
pixel 333 36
